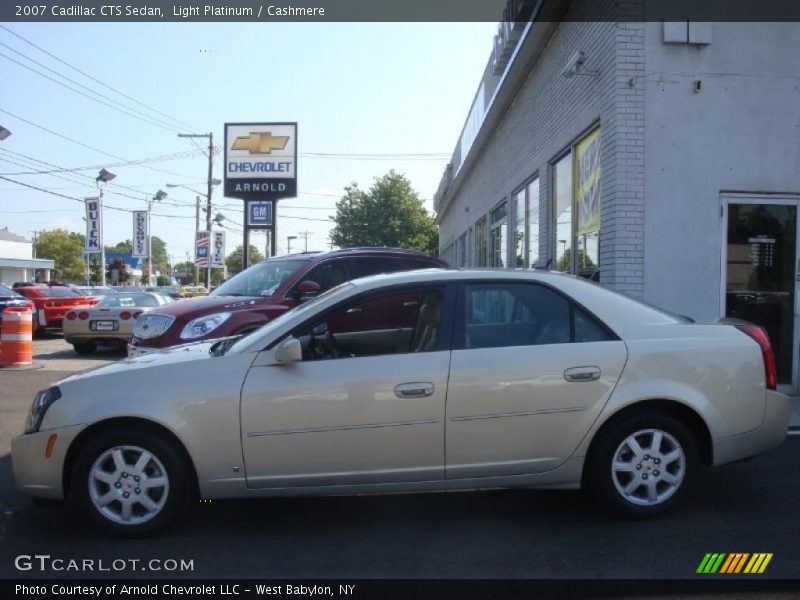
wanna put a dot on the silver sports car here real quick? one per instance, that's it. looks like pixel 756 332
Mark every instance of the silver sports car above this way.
pixel 430 380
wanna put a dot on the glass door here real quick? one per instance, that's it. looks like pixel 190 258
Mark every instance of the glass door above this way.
pixel 761 275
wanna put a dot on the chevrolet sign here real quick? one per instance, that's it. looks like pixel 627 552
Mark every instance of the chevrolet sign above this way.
pixel 261 160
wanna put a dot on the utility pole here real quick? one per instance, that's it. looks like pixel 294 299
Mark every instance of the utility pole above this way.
pixel 196 228
pixel 305 235
pixel 210 136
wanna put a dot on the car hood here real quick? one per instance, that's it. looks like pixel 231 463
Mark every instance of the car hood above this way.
pixel 171 356
pixel 195 307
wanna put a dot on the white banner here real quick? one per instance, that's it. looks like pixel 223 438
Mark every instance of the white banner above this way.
pixel 218 250
pixel 94 226
pixel 140 233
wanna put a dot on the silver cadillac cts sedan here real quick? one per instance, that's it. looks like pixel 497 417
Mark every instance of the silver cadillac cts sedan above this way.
pixel 430 380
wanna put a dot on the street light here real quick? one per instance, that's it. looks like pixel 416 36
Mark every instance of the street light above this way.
pixel 289 239
pixel 160 195
pixel 102 179
pixel 4 133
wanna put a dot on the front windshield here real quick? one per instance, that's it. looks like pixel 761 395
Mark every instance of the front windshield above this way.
pixel 262 279
pixel 243 344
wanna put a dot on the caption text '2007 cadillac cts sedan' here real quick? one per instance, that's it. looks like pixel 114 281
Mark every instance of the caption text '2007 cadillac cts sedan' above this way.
pixel 450 379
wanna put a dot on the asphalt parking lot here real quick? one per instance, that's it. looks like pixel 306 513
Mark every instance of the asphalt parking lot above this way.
pixel 744 507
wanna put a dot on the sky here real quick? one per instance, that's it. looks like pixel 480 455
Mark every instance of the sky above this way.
pixel 353 88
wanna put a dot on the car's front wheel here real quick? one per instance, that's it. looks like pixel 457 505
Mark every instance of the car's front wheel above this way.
pixel 644 465
pixel 130 482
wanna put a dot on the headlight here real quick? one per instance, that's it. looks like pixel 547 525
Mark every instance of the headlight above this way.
pixel 197 328
pixel 39 407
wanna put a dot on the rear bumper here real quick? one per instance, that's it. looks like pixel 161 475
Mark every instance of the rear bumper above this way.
pixel 770 434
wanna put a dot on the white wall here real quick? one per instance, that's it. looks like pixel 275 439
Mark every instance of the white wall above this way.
pixel 15 249
pixel 740 132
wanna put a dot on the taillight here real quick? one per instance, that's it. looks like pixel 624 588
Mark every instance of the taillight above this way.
pixel 137 314
pixel 762 339
pixel 124 315
pixel 71 316
pixel 83 315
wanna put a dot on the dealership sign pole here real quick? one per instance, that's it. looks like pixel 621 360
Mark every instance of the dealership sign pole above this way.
pixel 260 168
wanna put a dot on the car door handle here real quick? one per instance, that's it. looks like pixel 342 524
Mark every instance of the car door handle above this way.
pixel 414 390
pixel 582 374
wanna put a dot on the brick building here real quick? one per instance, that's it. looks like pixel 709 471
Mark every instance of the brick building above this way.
pixel 660 158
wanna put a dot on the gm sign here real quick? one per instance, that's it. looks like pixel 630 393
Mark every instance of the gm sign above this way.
pixel 261 160
pixel 259 214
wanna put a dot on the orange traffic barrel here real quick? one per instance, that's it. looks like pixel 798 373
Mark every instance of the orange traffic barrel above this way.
pixel 16 337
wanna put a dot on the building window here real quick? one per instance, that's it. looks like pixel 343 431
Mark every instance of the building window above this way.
pixel 480 243
pixel 462 250
pixel 576 199
pixel 520 209
pixel 533 223
pixel 526 225
pixel 562 195
pixel 497 240
pixel 587 205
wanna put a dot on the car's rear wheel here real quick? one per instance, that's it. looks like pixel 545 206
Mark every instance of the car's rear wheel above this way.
pixel 644 465
pixel 130 482
pixel 84 347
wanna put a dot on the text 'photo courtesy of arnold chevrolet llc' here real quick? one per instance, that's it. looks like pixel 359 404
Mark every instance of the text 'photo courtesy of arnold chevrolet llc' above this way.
pixel 461 299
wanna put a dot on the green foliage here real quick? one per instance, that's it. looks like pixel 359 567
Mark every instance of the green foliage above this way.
pixel 117 272
pixel 66 249
pixel 234 260
pixel 390 214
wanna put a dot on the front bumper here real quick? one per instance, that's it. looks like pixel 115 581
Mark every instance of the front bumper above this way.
pixel 770 434
pixel 34 473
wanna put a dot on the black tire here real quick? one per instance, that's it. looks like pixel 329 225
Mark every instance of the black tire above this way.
pixel 180 491
pixel 670 482
pixel 84 347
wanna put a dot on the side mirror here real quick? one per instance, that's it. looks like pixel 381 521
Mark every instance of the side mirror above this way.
pixel 307 289
pixel 289 351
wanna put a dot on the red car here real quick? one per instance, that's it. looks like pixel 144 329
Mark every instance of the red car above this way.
pixel 52 302
pixel 265 290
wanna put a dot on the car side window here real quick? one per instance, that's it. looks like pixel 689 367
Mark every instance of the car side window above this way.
pixel 418 263
pixel 394 323
pixel 512 314
pixel 329 274
pixel 373 265
pixel 587 328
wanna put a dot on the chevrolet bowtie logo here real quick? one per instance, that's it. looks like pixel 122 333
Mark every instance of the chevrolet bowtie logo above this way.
pixel 260 143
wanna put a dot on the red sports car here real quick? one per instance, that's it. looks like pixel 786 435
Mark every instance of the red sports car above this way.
pixel 52 302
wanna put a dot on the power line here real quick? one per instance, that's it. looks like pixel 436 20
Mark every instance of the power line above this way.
pixel 163 157
pixel 69 139
pixel 85 74
pixel 130 112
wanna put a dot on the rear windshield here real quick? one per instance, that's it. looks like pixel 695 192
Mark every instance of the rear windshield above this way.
pixel 121 300
pixel 7 291
pixel 59 292
pixel 263 279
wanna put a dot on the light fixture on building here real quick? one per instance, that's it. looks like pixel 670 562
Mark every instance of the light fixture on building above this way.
pixel 576 66
pixel 4 133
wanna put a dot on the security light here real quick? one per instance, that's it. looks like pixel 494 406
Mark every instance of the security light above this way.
pixel 4 133
pixel 105 176
pixel 160 195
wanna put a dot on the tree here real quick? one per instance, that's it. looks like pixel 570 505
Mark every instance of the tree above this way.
pixel 391 213
pixel 184 272
pixel 234 260
pixel 119 268
pixel 66 249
